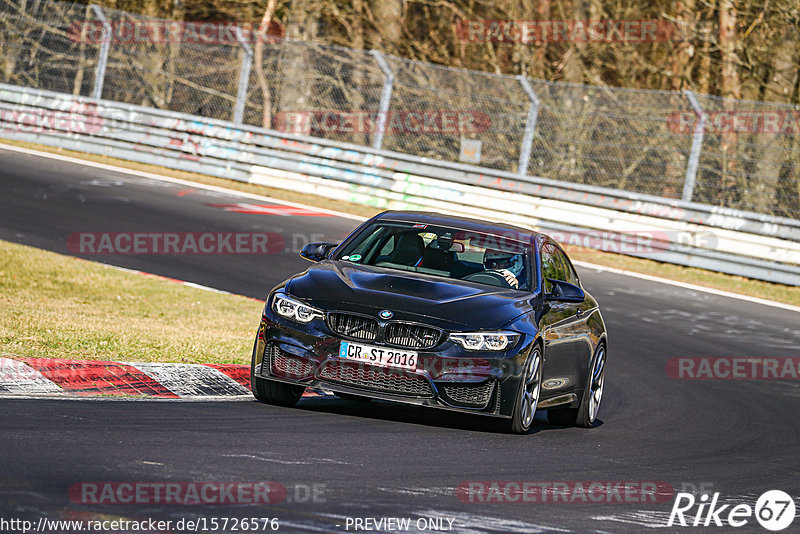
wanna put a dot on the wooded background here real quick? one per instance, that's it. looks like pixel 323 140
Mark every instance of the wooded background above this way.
pixel 737 49
pixel 611 125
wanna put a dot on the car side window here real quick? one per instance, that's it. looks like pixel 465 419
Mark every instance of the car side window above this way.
pixel 552 266
pixel 572 276
pixel 366 246
pixel 388 247
pixel 557 266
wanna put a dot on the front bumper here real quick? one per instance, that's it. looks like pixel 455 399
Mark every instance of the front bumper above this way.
pixel 446 376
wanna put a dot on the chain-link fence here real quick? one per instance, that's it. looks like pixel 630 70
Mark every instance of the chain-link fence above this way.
pixel 745 155
pixel 195 78
pixel 37 50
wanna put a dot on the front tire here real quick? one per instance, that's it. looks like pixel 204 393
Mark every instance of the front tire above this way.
pixel 586 414
pixel 530 388
pixel 271 392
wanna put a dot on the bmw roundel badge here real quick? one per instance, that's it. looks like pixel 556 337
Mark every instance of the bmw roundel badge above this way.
pixel 386 314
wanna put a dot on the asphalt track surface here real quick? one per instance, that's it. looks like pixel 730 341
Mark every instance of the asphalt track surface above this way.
pixel 739 438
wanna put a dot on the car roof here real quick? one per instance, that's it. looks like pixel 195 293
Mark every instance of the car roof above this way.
pixel 465 223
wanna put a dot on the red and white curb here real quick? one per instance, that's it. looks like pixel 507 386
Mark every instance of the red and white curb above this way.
pixel 270 209
pixel 88 378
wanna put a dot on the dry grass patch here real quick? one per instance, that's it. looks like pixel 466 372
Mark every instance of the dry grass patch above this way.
pixel 55 306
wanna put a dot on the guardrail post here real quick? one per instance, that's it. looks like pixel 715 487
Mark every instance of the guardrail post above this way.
pixel 530 126
pixel 244 78
pixel 102 55
pixel 697 146
pixel 386 97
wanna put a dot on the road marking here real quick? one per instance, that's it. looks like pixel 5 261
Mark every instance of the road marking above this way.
pixel 270 209
pixel 685 285
pixel 642 518
pixel 169 179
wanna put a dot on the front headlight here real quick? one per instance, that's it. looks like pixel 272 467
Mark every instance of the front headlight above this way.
pixel 485 340
pixel 295 310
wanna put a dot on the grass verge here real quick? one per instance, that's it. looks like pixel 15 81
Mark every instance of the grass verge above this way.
pixel 54 306
pixel 701 277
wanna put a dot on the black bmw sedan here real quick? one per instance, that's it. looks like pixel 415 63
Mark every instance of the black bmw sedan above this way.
pixel 439 311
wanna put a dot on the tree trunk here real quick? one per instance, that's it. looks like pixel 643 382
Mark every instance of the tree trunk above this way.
pixel 769 146
pixel 788 192
pixel 172 61
pixel 78 81
pixel 539 69
pixel 258 59
pixel 727 45
pixel 729 88
pixel 357 33
pixel 297 73
pixel 576 67
pixel 684 15
pixel 357 39
pixel 389 21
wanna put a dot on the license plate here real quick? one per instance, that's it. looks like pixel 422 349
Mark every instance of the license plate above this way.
pixel 384 356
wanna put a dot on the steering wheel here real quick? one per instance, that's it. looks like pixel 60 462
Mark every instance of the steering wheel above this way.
pixel 488 277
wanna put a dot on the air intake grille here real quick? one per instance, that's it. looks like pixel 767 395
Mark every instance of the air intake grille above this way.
pixel 285 365
pixel 353 326
pixel 472 395
pixel 365 376
pixel 412 336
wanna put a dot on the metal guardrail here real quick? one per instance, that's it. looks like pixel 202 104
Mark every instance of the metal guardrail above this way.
pixel 742 243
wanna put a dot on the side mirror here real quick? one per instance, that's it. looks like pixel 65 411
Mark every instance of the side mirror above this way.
pixel 317 251
pixel 564 292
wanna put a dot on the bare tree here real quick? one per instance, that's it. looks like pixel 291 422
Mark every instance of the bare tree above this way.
pixel 684 19
pixel 258 58
pixel 540 49
pixel 388 16
pixel 729 80
pixel 780 79
pixel 729 88
pixel 296 66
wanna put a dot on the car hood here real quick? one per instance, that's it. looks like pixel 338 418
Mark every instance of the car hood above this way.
pixel 449 304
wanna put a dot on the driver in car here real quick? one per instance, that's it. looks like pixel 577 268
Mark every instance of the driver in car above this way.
pixel 507 264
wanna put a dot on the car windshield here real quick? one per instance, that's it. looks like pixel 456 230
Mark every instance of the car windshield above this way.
pixel 501 260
